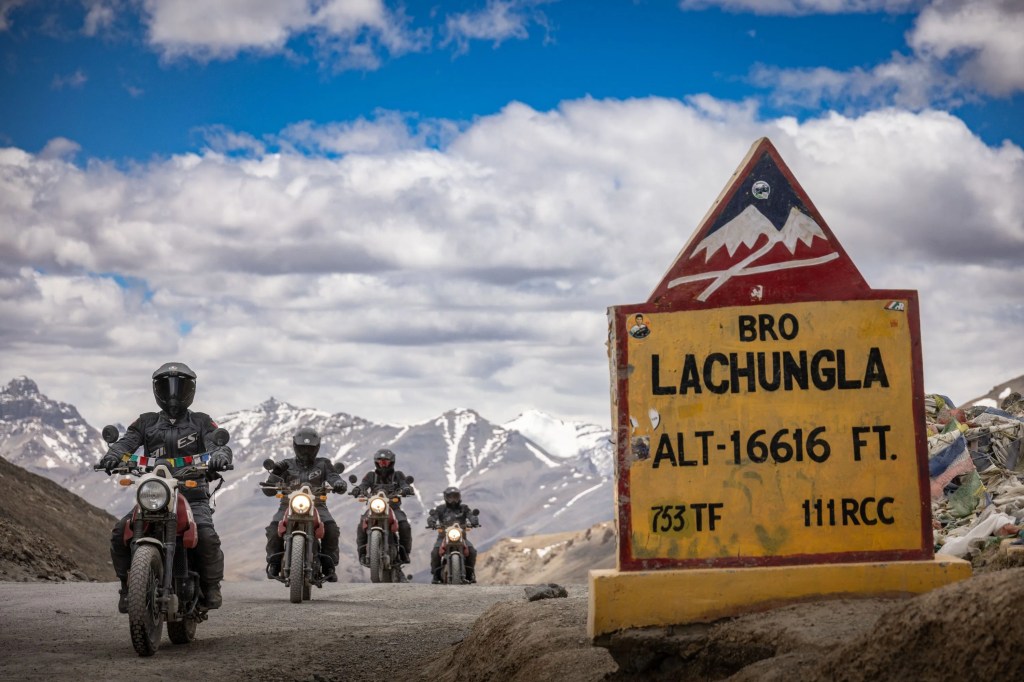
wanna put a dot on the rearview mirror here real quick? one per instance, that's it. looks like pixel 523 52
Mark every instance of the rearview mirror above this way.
pixel 476 512
pixel 409 479
pixel 339 467
pixel 268 464
pixel 352 478
pixel 110 433
pixel 221 437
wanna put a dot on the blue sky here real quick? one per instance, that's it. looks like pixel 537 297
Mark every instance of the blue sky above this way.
pixel 395 209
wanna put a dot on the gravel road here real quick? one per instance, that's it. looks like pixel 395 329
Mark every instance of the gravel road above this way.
pixel 347 631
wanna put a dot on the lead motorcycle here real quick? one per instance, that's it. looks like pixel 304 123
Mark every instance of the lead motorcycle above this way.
pixel 384 552
pixel 163 584
pixel 454 549
pixel 302 563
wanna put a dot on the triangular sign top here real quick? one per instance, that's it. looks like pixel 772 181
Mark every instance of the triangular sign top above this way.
pixel 763 241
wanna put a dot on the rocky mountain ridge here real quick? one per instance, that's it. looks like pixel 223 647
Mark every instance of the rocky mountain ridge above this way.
pixel 49 533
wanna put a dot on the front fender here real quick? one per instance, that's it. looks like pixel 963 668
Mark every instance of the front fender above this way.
pixel 150 541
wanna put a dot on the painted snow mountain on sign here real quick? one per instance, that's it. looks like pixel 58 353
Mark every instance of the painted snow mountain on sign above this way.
pixel 762 241
pixel 751 229
pixel 535 474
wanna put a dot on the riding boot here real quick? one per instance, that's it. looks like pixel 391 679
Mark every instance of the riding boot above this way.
pixel 211 596
pixel 327 567
pixel 273 569
pixel 122 596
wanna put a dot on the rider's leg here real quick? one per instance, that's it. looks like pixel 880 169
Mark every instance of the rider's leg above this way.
pixel 121 558
pixel 471 563
pixel 405 536
pixel 210 565
pixel 435 561
pixel 361 542
pixel 329 546
pixel 275 546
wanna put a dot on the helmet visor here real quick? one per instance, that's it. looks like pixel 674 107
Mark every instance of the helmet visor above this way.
pixel 175 388
pixel 453 498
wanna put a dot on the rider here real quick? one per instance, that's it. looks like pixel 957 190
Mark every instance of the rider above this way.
pixel 173 432
pixel 305 467
pixel 444 515
pixel 385 477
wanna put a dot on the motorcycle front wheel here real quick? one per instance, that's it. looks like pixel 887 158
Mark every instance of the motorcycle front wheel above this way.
pixel 376 553
pixel 296 576
pixel 456 570
pixel 145 619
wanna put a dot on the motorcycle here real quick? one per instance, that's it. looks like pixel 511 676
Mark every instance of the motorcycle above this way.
pixel 301 561
pixel 384 552
pixel 163 584
pixel 454 549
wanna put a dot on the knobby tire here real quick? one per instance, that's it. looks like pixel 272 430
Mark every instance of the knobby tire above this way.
pixel 376 553
pixel 296 576
pixel 145 619
pixel 456 570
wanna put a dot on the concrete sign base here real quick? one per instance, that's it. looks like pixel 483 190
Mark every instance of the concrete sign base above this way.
pixel 621 600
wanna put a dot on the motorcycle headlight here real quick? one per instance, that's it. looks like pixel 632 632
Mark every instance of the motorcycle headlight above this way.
pixel 301 504
pixel 153 495
pixel 377 505
pixel 454 535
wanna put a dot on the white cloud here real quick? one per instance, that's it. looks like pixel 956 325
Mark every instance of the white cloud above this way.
pixel 498 21
pixel 902 82
pixel 351 33
pixel 74 80
pixel 801 7
pixel 60 148
pixel 6 7
pixel 394 279
pixel 960 49
pixel 99 15
pixel 986 40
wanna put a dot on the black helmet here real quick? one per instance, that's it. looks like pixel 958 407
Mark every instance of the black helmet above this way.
pixel 452 496
pixel 306 443
pixel 384 459
pixel 174 387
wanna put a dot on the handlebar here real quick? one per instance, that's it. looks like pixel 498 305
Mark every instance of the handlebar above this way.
pixel 290 488
pixel 180 474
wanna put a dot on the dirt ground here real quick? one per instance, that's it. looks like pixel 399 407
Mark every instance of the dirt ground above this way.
pixel 970 630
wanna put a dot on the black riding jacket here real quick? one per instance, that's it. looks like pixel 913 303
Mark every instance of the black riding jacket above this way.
pixel 444 516
pixel 392 483
pixel 314 474
pixel 163 437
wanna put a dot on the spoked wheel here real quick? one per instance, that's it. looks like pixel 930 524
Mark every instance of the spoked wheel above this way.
pixel 183 631
pixel 145 619
pixel 456 570
pixel 376 553
pixel 296 576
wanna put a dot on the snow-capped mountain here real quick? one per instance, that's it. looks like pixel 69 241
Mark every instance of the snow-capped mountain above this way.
pixel 44 436
pixel 535 474
pixel 566 440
